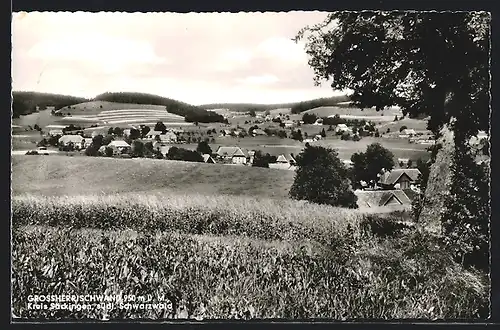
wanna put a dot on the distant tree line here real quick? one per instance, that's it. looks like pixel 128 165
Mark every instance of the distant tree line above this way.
pixel 24 103
pixel 322 102
pixel 190 112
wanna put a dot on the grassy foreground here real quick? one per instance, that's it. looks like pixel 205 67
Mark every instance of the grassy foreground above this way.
pixel 234 257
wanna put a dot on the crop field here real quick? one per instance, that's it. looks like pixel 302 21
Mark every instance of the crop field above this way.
pixel 232 257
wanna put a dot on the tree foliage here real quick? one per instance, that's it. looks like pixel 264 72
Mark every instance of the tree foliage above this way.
pixel 204 148
pixel 434 64
pixel 415 60
pixel 322 178
pixel 367 165
pixel 309 118
pixel 175 153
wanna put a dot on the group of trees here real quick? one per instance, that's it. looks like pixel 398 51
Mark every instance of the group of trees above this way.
pixel 367 165
pixel 322 102
pixel 24 103
pixel 432 64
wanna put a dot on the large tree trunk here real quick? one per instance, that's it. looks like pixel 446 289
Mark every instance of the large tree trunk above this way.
pixel 438 183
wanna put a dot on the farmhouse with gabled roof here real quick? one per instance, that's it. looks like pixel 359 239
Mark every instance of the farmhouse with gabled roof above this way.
pixel 402 177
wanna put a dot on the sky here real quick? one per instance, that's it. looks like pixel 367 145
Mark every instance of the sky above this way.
pixel 197 58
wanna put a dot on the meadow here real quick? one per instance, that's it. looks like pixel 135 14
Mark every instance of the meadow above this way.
pixel 230 247
pixel 62 175
pixel 233 257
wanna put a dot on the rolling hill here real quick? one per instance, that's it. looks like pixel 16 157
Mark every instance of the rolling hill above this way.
pixel 243 107
pixel 24 103
pixel 63 175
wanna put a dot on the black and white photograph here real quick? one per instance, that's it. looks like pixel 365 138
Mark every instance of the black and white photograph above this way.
pixel 299 165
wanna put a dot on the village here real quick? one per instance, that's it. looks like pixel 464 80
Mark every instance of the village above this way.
pixel 392 189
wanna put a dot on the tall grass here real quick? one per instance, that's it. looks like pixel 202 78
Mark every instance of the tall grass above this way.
pixel 227 257
pixel 205 277
pixel 190 214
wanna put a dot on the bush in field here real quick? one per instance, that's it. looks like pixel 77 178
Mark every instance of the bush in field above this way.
pixel 322 178
pixel 260 160
pixel 108 152
pixel 176 153
pixel 137 149
pixel 402 128
pixel 309 118
pixel 297 135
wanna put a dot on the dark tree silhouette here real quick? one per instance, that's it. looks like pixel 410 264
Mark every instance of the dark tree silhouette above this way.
pixel 322 178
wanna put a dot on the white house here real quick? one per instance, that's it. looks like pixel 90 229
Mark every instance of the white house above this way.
pixel 119 145
pixel 342 128
pixel 289 123
pixel 54 132
pixel 318 121
pixel 76 140
pixel 168 137
pixel 152 134
pixel 407 132
pixel 235 154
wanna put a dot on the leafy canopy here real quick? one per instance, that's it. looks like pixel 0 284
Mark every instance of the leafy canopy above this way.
pixel 322 178
pixel 418 61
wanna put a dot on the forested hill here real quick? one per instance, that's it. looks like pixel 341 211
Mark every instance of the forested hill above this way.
pixel 296 107
pixel 190 112
pixel 24 103
pixel 323 102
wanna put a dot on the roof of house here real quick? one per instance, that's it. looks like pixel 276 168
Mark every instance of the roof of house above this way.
pixel 119 143
pixel 408 131
pixel 154 133
pixel 71 138
pixel 281 159
pixel 207 157
pixel 378 198
pixel 168 136
pixel 258 131
pixel 290 158
pixel 239 153
pixel 230 151
pixel 390 178
pixel 398 194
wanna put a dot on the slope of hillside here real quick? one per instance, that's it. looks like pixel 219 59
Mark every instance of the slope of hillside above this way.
pixel 62 175
pixel 24 103
pixel 297 106
pixel 190 112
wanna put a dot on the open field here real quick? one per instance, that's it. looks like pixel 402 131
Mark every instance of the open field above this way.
pixel 220 257
pixel 61 175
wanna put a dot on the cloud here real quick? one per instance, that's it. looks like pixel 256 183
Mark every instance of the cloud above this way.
pixel 259 80
pixel 196 58
pixel 111 53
